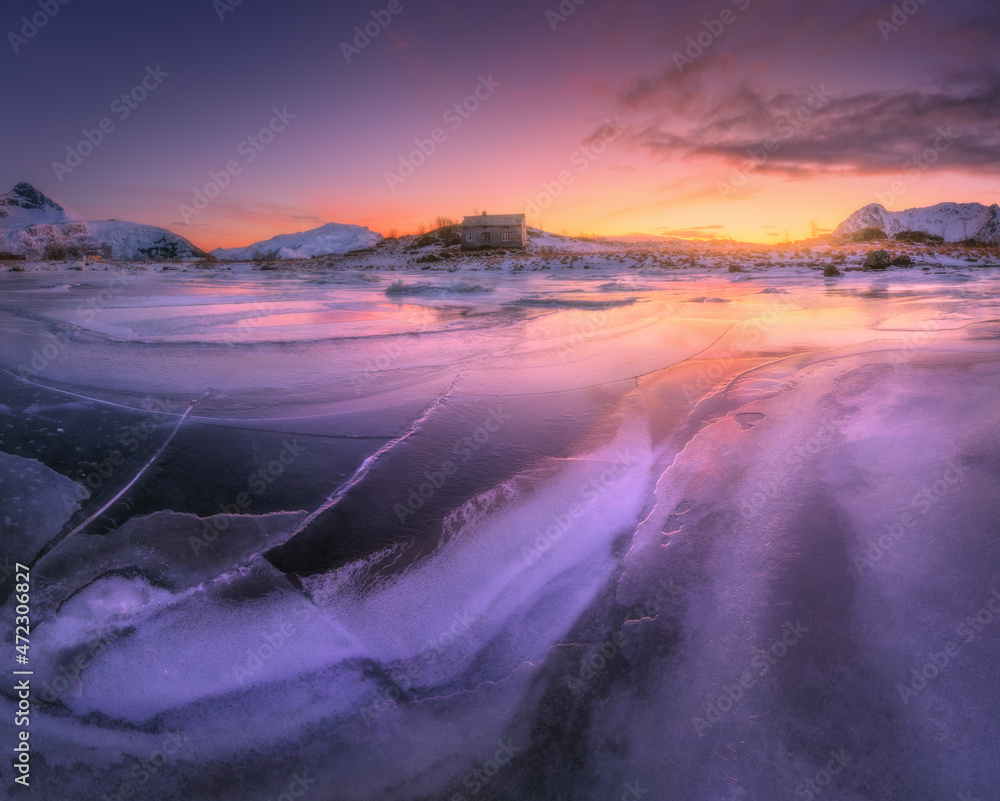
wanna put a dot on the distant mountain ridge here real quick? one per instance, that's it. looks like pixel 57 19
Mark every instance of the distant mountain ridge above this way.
pixel 332 238
pixel 36 226
pixel 956 222
pixel 24 205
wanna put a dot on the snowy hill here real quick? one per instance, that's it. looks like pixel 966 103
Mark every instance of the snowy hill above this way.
pixel 332 238
pixel 24 205
pixel 956 222
pixel 538 239
pixel 114 239
pixel 36 226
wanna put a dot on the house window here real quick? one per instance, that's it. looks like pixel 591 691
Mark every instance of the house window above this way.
pixel 505 236
pixel 470 237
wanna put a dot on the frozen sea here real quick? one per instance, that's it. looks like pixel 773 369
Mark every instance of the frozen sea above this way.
pixel 636 534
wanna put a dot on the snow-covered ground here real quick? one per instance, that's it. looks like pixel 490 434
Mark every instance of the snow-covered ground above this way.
pixel 552 252
pixel 570 523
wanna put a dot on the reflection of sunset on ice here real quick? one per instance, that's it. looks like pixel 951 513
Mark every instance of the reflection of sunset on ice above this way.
pixel 698 506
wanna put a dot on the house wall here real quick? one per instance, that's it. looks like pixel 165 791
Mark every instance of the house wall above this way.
pixel 518 236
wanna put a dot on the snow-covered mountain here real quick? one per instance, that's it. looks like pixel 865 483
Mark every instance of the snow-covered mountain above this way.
pixel 24 205
pixel 36 226
pixel 956 222
pixel 323 241
pixel 126 241
pixel 986 225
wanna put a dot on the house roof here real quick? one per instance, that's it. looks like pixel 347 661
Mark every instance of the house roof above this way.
pixel 494 219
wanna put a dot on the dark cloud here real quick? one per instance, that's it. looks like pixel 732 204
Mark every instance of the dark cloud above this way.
pixel 887 96
pixel 954 124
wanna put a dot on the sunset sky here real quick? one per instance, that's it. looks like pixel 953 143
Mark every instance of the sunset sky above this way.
pixel 851 97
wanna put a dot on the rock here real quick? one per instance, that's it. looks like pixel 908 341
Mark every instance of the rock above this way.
pixel 868 235
pixel 877 260
pixel 831 271
pixel 902 261
pixel 735 268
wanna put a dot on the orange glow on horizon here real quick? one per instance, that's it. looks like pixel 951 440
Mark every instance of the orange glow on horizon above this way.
pixel 616 195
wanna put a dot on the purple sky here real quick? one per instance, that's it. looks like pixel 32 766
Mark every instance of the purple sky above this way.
pixel 605 120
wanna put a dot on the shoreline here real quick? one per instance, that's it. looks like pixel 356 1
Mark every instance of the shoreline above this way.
pixel 573 254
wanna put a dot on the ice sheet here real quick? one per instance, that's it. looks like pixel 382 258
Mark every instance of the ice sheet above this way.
pixel 557 539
